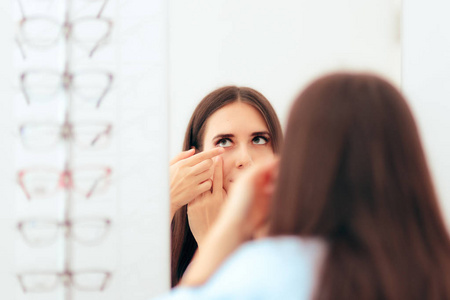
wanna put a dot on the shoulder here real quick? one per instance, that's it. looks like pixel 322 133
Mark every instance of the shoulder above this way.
pixel 279 264
pixel 270 268
pixel 274 247
pixel 278 253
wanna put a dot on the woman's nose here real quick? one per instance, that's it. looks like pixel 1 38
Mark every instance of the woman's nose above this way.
pixel 244 158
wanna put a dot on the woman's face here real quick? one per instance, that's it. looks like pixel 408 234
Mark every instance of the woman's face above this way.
pixel 241 130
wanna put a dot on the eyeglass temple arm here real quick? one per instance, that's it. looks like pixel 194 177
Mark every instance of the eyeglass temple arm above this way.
pixel 22 185
pixel 102 8
pixel 94 186
pixel 22 11
pixel 22 87
pixel 98 136
pixel 100 99
pixel 98 16
pixel 91 53
pixel 22 284
pixel 19 44
pixel 102 40
pixel 105 281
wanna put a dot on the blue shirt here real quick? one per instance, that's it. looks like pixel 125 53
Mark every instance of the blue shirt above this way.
pixel 271 268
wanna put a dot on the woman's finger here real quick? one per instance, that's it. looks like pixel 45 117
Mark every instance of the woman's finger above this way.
pixel 203 187
pixel 192 161
pixel 218 176
pixel 208 174
pixel 182 155
pixel 202 167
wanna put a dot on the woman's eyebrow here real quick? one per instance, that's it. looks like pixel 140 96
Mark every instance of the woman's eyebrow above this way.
pixel 260 133
pixel 223 136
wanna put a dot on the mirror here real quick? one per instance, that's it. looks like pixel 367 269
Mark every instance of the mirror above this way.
pixel 273 48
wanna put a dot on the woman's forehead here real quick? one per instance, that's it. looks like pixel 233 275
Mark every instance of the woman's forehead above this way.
pixel 237 116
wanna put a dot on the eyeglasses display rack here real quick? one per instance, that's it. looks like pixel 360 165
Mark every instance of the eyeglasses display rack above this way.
pixel 41 32
pixel 87 169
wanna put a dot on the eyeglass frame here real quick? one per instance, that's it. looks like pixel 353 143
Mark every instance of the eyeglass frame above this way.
pixel 65 179
pixel 67 80
pixel 66 26
pixel 66 130
pixel 65 278
pixel 67 224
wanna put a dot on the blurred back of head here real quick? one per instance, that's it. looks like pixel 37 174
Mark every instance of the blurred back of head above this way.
pixel 354 173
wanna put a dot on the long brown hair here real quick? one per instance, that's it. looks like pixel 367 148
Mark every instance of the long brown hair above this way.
pixel 183 242
pixel 354 173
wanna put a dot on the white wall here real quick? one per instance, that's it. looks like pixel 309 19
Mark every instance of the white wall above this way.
pixel 426 82
pixel 275 47
pixel 6 157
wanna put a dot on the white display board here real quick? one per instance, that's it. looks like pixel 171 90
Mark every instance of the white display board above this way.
pixel 124 183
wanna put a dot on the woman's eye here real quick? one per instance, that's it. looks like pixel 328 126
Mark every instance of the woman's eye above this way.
pixel 260 140
pixel 224 143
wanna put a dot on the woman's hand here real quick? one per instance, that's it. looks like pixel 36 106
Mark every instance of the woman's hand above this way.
pixel 204 209
pixel 244 213
pixel 189 176
pixel 249 199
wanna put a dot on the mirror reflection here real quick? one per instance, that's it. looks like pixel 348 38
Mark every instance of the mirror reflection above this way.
pixel 272 51
pixel 231 129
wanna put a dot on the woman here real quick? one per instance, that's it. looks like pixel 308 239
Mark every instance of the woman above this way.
pixel 237 127
pixel 354 214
